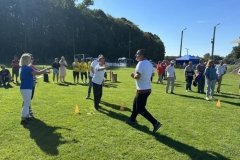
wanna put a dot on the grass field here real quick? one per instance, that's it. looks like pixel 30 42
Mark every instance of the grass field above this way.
pixel 193 128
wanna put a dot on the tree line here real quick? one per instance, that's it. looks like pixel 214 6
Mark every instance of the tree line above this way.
pixel 55 28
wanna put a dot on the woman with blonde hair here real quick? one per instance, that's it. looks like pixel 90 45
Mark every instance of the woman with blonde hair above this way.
pixel 211 78
pixel 62 69
pixel 26 87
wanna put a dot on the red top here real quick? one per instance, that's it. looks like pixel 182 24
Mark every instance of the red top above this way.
pixel 164 65
pixel 34 68
pixel 160 69
pixel 15 64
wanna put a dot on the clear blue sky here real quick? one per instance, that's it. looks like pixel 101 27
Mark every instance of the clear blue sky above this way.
pixel 167 19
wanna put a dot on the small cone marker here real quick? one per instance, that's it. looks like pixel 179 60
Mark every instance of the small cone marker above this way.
pixel 77 109
pixel 122 107
pixel 218 104
pixel 91 112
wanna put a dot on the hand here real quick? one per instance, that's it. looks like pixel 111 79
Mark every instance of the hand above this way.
pixel 132 75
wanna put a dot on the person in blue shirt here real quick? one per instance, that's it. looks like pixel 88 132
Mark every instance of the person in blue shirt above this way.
pixel 211 78
pixel 26 86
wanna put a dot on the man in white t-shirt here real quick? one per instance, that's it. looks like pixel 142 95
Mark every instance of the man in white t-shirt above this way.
pixel 220 70
pixel 171 77
pixel 98 80
pixel 93 65
pixel 143 72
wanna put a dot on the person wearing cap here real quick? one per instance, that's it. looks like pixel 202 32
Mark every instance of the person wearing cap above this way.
pixel 143 72
pixel 93 65
pixel 171 77
pixel 189 72
pixel 5 76
pixel 220 70
pixel 15 68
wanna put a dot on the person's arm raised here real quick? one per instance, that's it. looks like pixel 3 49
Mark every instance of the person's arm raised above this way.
pixel 43 71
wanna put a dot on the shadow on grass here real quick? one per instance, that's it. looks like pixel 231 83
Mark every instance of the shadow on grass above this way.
pixel 226 84
pixel 7 86
pixel 230 93
pixel 114 106
pixel 192 152
pixel 69 83
pixel 224 95
pixel 63 84
pixel 110 85
pixel 16 84
pixel 46 136
pixel 232 103
pixel 189 96
pixel 178 85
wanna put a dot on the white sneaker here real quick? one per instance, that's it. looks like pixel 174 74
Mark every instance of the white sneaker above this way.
pixel 207 98
pixel 186 90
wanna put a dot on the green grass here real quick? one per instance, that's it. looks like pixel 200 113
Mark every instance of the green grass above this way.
pixel 193 128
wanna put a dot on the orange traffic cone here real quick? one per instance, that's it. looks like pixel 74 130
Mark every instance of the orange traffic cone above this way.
pixel 122 107
pixel 77 109
pixel 218 104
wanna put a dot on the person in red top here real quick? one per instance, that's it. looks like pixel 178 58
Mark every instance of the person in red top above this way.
pixel 164 65
pixel 15 68
pixel 160 71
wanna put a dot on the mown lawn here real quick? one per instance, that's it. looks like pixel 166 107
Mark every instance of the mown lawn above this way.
pixel 193 128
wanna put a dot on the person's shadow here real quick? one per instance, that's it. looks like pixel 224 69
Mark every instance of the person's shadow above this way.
pixel 114 106
pixel 46 137
pixel 192 152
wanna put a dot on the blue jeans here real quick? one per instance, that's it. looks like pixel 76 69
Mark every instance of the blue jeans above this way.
pixel 160 77
pixel 210 87
pixel 90 86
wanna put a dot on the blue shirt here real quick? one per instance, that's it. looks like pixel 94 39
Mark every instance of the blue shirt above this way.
pixel 210 73
pixel 26 77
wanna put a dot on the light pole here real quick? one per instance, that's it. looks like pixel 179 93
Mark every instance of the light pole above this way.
pixel 213 40
pixel 181 42
pixel 187 50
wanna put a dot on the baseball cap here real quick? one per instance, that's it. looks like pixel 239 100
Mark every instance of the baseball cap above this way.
pixel 172 62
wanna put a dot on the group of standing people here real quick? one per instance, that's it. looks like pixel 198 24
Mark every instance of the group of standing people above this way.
pixel 59 69
pixel 208 74
pixel 79 69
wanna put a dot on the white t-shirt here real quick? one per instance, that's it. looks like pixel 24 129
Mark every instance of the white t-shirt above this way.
pixel 145 68
pixel 98 76
pixel 220 69
pixel 170 71
pixel 93 65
